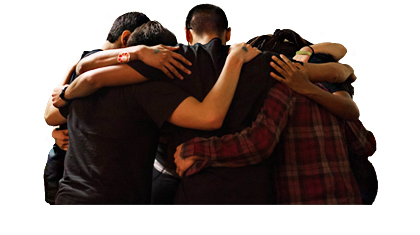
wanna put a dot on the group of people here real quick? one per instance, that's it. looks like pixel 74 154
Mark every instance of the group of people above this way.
pixel 145 120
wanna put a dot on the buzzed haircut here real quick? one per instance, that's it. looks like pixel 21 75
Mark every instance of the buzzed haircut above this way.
pixel 129 21
pixel 150 34
pixel 207 18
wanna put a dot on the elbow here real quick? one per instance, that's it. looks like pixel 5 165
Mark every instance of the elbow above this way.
pixel 50 120
pixel 354 117
pixel 342 51
pixel 341 73
pixel 353 114
pixel 80 68
pixel 214 125
pixel 47 119
pixel 337 51
pixel 214 122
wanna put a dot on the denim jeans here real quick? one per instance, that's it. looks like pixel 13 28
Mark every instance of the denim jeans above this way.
pixel 164 188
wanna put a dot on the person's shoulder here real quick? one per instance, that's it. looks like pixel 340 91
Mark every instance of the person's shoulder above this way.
pixel 215 43
pixel 214 48
pixel 186 50
pixel 260 62
pixel 88 53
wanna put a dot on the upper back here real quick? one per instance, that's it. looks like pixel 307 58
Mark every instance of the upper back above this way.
pixel 113 142
pixel 207 64
pixel 313 146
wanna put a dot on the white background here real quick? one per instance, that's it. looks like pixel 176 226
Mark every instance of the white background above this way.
pixel 40 39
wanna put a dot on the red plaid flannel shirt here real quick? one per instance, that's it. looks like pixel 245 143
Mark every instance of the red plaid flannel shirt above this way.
pixel 312 152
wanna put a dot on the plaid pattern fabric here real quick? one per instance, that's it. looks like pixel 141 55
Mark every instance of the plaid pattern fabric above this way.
pixel 359 140
pixel 250 146
pixel 312 153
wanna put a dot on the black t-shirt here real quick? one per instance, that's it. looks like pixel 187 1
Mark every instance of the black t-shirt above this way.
pixel 208 61
pixel 113 138
pixel 73 76
pixel 254 83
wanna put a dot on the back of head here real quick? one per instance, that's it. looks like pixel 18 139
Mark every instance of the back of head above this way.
pixel 150 34
pixel 207 18
pixel 129 21
pixel 285 41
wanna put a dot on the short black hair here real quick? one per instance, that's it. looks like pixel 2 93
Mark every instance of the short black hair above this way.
pixel 150 34
pixel 129 21
pixel 207 18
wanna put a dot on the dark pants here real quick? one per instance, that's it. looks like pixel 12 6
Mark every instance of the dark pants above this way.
pixel 249 185
pixel 53 173
pixel 164 188
pixel 366 178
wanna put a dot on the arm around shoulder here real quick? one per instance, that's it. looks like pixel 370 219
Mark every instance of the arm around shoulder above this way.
pixel 52 115
pixel 105 58
pixel 210 114
pixel 89 82
pixel 336 50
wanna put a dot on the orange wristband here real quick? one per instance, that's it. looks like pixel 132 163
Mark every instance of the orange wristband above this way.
pixel 124 57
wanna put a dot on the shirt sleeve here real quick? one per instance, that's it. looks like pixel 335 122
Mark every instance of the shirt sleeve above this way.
pixel 360 141
pixel 159 99
pixel 250 146
pixel 64 111
pixel 147 71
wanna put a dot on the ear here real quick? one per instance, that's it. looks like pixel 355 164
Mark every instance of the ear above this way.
pixel 228 31
pixel 188 36
pixel 124 38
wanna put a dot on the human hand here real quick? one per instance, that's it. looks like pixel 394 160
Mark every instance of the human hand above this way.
pixel 164 58
pixel 182 165
pixel 57 101
pixel 244 52
pixel 303 58
pixel 61 138
pixel 295 76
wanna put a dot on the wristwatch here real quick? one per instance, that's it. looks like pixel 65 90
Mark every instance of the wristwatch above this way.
pixel 62 94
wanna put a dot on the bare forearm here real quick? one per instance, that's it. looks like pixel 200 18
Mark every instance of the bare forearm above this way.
pixel 251 145
pixel 328 72
pixel 338 104
pixel 82 86
pixel 52 116
pixel 221 95
pixel 105 58
pixel 337 50
pixel 210 113
pixel 89 82
pixel 296 77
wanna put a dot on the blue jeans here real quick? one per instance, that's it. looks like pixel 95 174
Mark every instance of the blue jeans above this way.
pixel 164 188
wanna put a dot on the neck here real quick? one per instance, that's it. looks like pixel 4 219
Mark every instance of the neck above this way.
pixel 204 39
pixel 108 45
